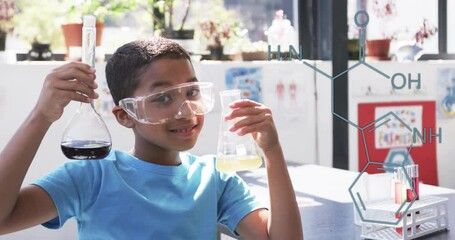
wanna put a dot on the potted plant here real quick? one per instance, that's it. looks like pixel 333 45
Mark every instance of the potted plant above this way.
pixel 220 31
pixel 37 26
pixel 411 51
pixel 163 16
pixel 425 32
pixel 180 32
pixel 7 11
pixel 378 47
pixel 72 27
pixel 217 34
pixel 353 41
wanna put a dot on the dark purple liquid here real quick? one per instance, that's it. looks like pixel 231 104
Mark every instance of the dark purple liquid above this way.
pixel 86 149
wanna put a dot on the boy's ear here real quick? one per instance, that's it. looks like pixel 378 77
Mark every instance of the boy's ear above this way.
pixel 122 117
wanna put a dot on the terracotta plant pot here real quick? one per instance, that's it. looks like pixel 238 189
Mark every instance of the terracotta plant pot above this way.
pixel 378 49
pixel 73 34
pixel 254 56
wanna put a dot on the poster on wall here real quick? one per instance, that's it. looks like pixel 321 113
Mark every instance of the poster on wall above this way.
pixel 446 93
pixel 104 104
pixel 394 132
pixel 390 126
pixel 288 92
pixel 247 79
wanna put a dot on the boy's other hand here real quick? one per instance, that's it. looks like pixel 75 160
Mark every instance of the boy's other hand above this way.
pixel 72 81
pixel 257 120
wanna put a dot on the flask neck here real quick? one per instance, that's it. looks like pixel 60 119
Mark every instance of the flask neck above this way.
pixel 227 97
pixel 88 45
pixel 86 107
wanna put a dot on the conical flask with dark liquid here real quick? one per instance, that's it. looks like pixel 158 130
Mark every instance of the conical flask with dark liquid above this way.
pixel 235 153
pixel 86 135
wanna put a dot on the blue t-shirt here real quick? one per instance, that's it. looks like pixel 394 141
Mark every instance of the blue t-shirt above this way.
pixel 122 197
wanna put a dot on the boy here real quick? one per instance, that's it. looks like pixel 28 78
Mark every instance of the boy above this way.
pixel 154 191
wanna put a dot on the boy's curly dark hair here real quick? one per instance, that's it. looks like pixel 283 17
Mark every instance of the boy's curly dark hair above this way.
pixel 124 68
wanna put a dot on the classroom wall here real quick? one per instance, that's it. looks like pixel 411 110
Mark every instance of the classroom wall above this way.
pixel 20 86
pixel 368 86
pixel 305 131
pixel 362 78
pixel 21 83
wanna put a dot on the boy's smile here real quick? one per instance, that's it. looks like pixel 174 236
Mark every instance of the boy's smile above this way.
pixel 184 131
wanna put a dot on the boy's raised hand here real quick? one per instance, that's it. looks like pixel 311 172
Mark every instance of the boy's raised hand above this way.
pixel 283 221
pixel 257 119
pixel 72 81
pixel 25 207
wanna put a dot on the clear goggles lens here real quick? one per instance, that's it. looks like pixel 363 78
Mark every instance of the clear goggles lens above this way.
pixel 171 103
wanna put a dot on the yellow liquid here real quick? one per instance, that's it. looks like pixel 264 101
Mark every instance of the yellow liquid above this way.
pixel 237 163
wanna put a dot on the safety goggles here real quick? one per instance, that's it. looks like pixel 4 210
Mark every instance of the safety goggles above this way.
pixel 174 102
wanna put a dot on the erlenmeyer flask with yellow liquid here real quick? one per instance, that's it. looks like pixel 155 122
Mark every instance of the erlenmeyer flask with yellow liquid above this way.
pixel 235 153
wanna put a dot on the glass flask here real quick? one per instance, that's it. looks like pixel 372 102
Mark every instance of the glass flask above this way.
pixel 86 135
pixel 235 153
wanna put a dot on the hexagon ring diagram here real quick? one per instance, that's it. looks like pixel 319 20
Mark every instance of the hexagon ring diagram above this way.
pixel 371 191
pixel 398 156
pixel 371 195
pixel 389 131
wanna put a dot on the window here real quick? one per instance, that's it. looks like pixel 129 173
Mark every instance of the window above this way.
pixel 257 15
pixel 450 27
pixel 398 19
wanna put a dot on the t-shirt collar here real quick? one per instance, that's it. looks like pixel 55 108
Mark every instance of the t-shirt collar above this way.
pixel 152 167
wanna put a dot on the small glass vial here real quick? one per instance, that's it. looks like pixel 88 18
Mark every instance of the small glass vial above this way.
pixel 413 171
pixel 235 153
pixel 398 183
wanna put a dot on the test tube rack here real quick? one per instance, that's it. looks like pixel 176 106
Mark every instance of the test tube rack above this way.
pixel 425 216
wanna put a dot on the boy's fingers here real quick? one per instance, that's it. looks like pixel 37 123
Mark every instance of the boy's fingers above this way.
pixel 81 66
pixel 244 103
pixel 76 73
pixel 78 87
pixel 247 111
pixel 78 97
pixel 250 129
pixel 68 96
pixel 250 121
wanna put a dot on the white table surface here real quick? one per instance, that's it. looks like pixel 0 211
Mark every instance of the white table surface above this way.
pixel 325 204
